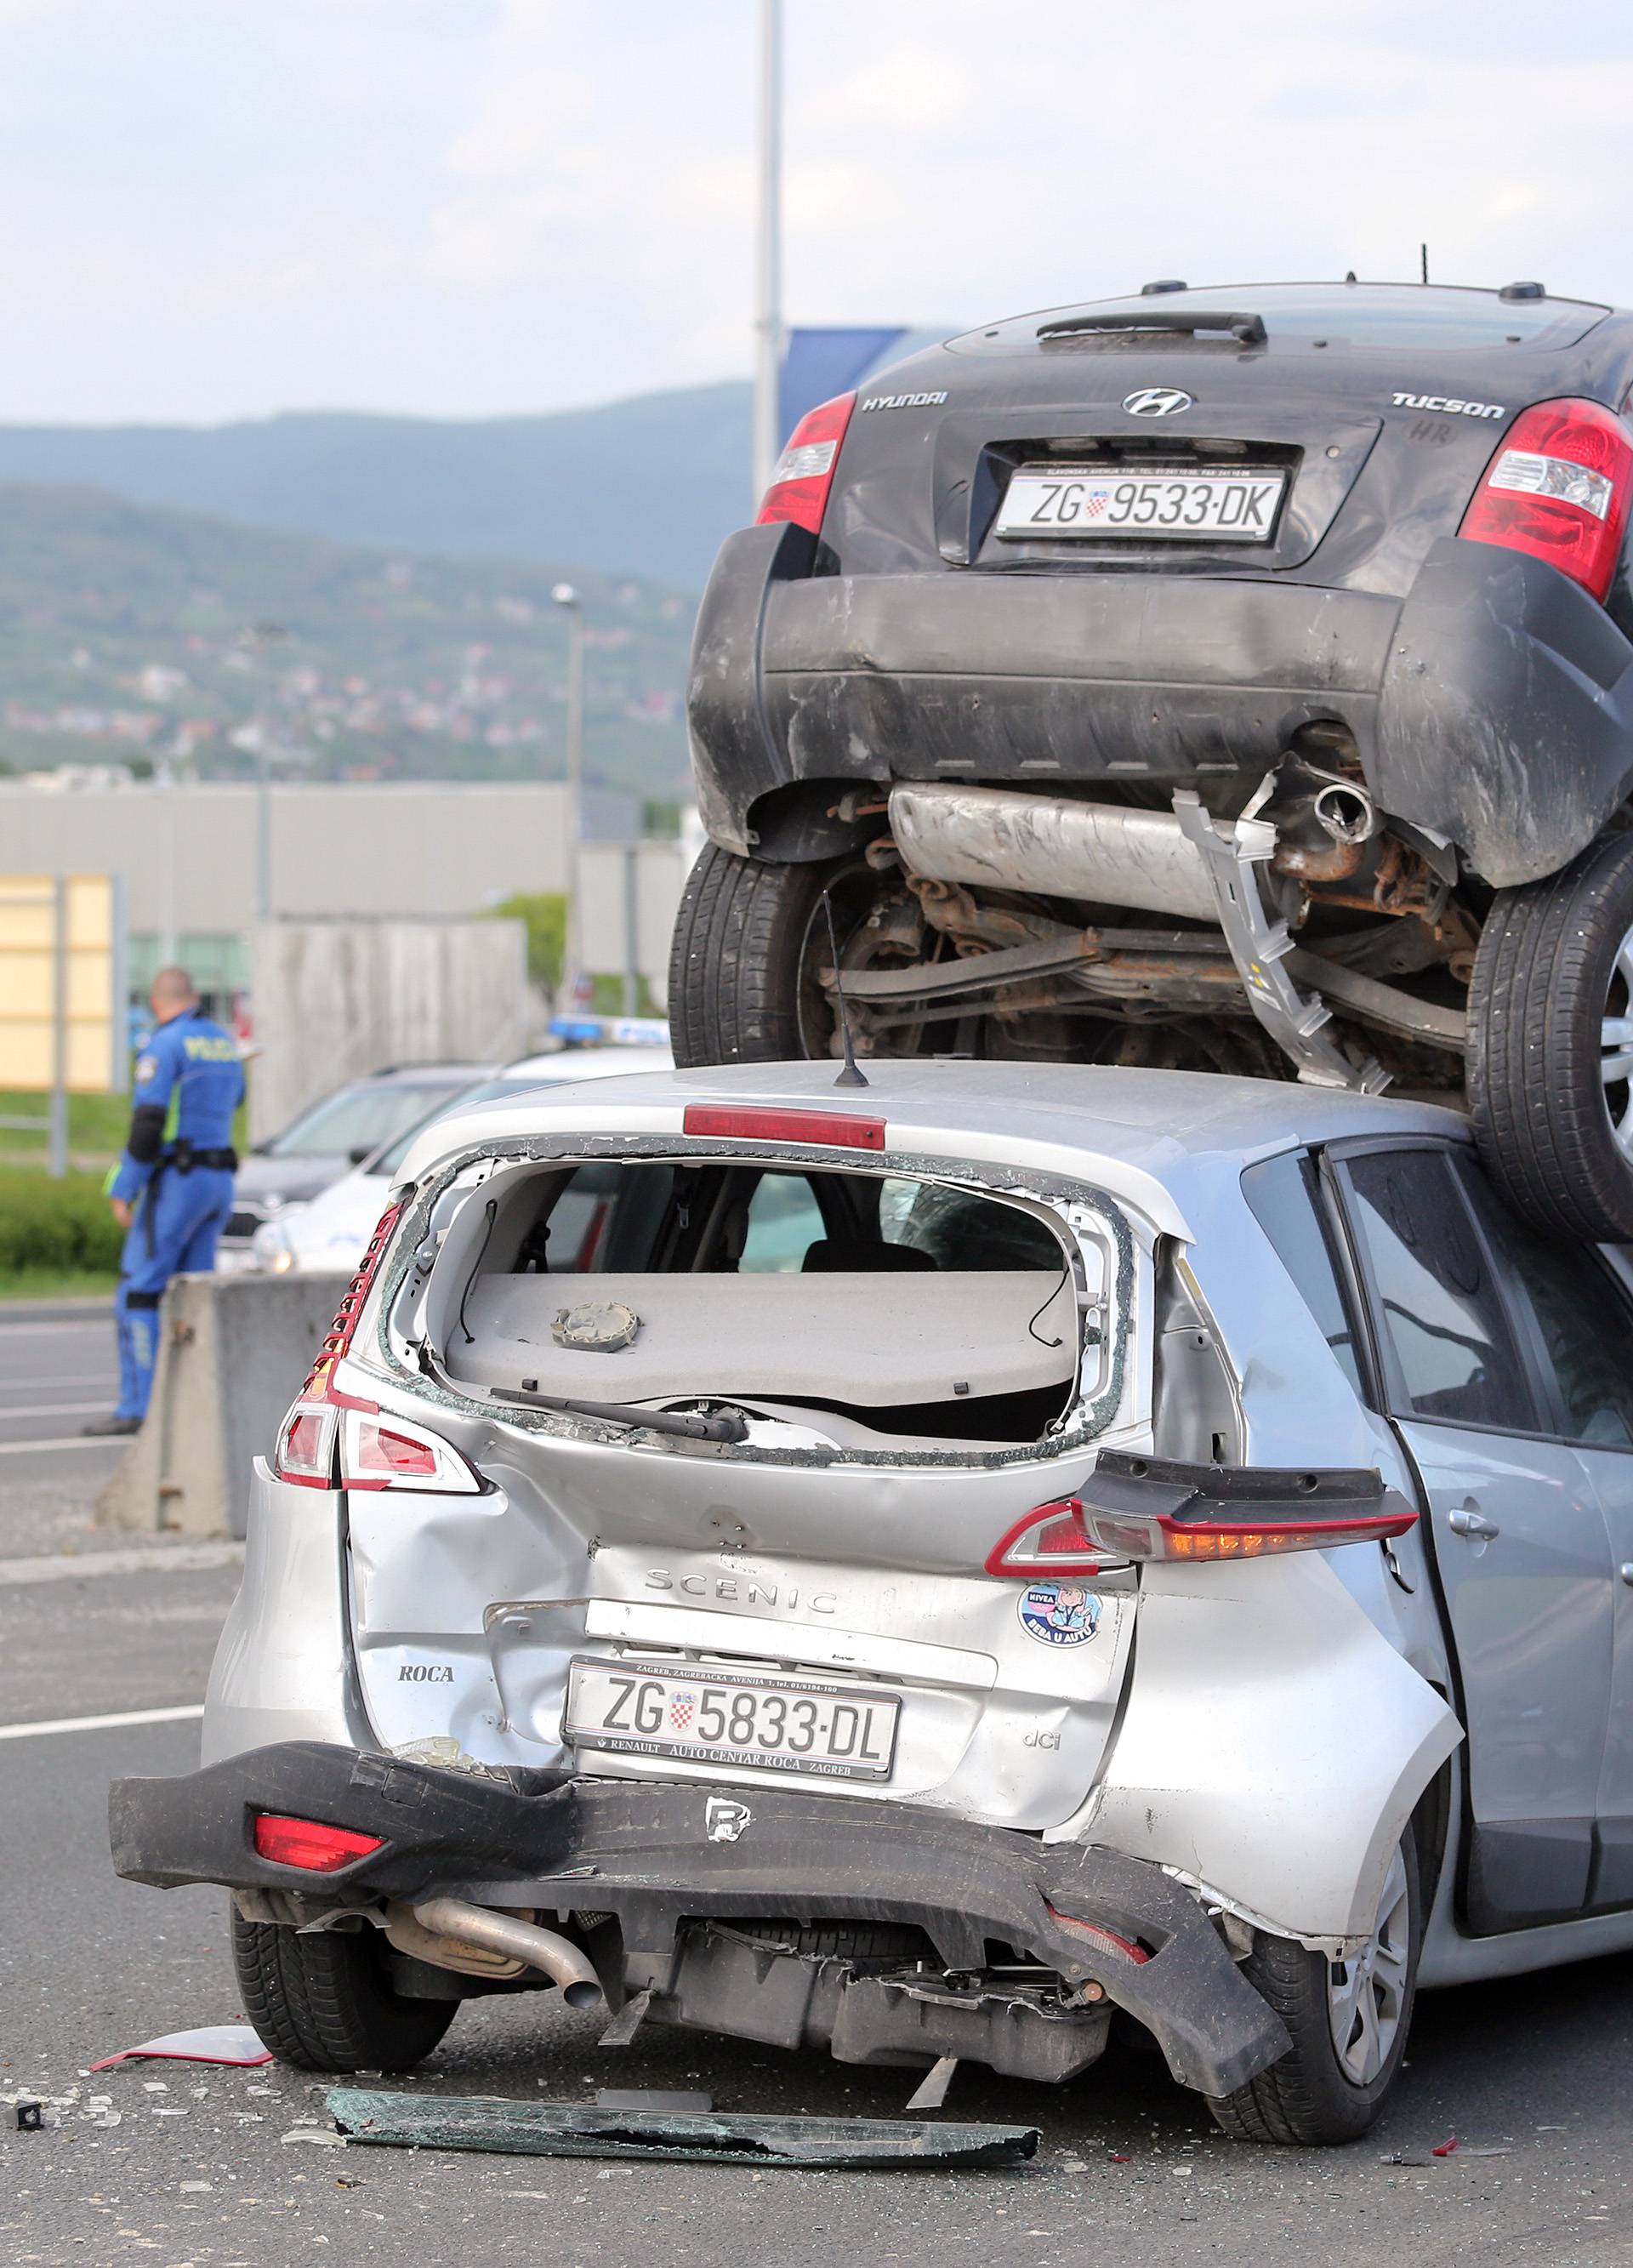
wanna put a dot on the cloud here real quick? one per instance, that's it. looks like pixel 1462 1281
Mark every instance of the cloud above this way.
pixel 468 207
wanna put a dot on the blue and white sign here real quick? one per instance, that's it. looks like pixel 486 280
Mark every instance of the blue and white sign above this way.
pixel 1059 1613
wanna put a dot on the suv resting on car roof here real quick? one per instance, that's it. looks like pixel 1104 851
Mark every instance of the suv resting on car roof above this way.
pixel 1237 677
pixel 704 1571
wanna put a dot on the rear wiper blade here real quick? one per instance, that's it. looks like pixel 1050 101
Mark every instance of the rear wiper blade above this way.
pixel 1247 329
pixel 728 1426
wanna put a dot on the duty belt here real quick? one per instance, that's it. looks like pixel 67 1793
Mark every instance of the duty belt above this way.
pixel 182 1159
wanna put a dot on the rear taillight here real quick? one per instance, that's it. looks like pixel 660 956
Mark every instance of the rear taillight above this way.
pixel 307 1842
pixel 317 1387
pixel 1165 1537
pixel 1559 487
pixel 305 1450
pixel 1151 1509
pixel 1049 1540
pixel 381 1451
pixel 804 471
pixel 374 1451
pixel 835 1128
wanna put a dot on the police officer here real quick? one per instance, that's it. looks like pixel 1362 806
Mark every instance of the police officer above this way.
pixel 172 1191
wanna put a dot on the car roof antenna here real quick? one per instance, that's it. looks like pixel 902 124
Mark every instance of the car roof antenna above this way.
pixel 1422 262
pixel 852 1074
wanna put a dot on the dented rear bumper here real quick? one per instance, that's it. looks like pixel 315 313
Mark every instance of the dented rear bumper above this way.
pixel 663 1858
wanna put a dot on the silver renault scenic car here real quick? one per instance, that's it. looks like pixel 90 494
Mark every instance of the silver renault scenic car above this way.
pixel 919 1570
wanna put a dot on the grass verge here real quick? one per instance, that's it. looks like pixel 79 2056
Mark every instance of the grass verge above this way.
pixel 56 1284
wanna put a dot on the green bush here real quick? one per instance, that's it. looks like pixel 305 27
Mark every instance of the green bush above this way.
pixel 63 1225
pixel 544 913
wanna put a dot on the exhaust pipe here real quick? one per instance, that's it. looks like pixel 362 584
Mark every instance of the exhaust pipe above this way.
pixel 519 1941
pixel 1009 841
pixel 1346 814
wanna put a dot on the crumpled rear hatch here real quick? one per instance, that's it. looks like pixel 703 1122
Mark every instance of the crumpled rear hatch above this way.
pixel 917 1365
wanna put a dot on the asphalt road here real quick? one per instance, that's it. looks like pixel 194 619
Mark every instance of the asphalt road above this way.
pixel 57 1369
pixel 1533 2079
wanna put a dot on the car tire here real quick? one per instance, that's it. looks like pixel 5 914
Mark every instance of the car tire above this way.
pixel 323 2000
pixel 750 941
pixel 1552 979
pixel 1321 2094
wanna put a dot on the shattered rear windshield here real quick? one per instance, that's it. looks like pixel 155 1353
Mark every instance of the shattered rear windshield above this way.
pixel 863 1306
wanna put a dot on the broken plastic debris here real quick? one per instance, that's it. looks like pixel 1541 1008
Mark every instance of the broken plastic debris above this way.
pixel 31 2116
pixel 326 2135
pixel 1444 2149
pixel 563 2130
pixel 233 2043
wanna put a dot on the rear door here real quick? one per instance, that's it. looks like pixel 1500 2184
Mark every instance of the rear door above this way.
pixel 1519 1536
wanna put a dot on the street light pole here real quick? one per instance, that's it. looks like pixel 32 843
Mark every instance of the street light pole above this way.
pixel 768 275
pixel 568 598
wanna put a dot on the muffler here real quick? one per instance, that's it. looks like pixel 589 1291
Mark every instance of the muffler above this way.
pixel 560 1959
pixel 1011 841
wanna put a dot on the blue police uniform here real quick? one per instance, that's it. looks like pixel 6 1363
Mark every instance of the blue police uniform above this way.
pixel 178 1162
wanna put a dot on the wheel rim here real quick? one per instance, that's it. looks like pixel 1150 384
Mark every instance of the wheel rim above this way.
pixel 1615 1047
pixel 1366 1994
pixel 862 901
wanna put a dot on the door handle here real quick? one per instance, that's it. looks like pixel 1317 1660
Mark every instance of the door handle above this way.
pixel 1627 1571
pixel 1473 1523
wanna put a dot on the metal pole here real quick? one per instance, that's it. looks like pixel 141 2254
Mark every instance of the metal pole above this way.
pixel 632 918
pixel 768 269
pixel 59 1026
pixel 263 827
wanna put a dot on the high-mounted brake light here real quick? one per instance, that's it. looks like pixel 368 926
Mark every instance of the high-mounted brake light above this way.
pixel 383 1451
pixel 307 1842
pixel 1559 487
pixel 837 1127
pixel 804 471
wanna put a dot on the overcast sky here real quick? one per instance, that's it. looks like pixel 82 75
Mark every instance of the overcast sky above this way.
pixel 210 209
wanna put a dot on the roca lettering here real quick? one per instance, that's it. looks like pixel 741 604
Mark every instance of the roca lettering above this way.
pixel 424 1673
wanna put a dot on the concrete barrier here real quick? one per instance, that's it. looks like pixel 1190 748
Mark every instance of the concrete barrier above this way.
pixel 233 1352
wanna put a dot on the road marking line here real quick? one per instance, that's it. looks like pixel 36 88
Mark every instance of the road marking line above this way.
pixel 102 1724
pixel 74 1441
pixel 136 1559
pixel 54 1409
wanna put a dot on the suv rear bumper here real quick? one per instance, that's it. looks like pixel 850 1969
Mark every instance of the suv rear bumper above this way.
pixel 1494 706
pixel 656 1855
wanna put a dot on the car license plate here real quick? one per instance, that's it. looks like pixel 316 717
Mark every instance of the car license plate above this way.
pixel 786 1725
pixel 1074 500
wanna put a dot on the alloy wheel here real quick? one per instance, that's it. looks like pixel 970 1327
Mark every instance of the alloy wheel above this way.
pixel 1615 1046
pixel 1366 1994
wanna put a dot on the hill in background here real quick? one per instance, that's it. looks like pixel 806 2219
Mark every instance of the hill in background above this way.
pixel 131 632
pixel 649 486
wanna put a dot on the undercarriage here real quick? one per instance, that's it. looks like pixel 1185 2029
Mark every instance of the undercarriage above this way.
pixel 1302 934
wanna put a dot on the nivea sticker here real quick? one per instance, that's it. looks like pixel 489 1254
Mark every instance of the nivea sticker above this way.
pixel 1059 1613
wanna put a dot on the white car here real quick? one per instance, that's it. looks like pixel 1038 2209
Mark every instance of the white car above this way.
pixel 328 1236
